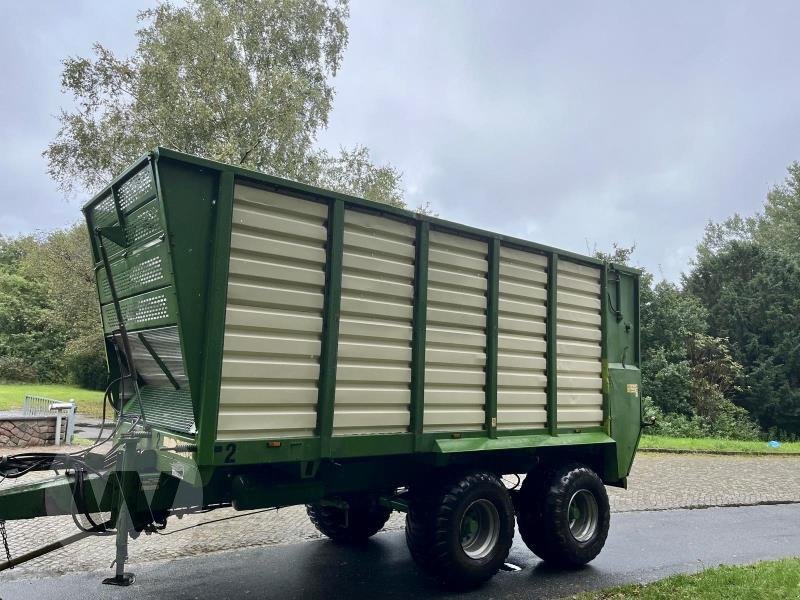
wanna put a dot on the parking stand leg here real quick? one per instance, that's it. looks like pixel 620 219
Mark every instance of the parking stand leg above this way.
pixel 124 466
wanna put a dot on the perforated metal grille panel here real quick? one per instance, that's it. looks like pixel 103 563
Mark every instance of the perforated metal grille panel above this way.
pixel 105 213
pixel 143 223
pixel 139 206
pixel 145 311
pixel 521 358
pixel 373 392
pixel 142 271
pixel 273 325
pixel 580 385
pixel 455 356
pixel 136 189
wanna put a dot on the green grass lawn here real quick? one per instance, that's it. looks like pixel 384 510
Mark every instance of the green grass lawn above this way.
pixel 12 395
pixel 715 444
pixel 775 580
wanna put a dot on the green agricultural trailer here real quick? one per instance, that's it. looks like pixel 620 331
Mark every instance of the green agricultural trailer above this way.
pixel 273 344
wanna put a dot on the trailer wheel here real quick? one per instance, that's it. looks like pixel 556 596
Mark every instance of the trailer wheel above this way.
pixel 461 532
pixel 363 519
pixel 564 515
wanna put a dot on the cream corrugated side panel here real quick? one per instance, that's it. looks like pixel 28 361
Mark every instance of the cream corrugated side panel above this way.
pixel 455 353
pixel 580 384
pixel 273 325
pixel 521 346
pixel 373 375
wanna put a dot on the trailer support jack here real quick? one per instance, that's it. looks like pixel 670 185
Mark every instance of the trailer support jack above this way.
pixel 125 500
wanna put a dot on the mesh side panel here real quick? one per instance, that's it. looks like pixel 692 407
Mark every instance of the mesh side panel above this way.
pixel 143 271
pixel 104 213
pixel 152 309
pixel 138 188
pixel 143 223
pixel 165 407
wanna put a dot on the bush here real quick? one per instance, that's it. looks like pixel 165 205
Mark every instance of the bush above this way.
pixel 86 365
pixel 13 368
pixel 730 422
pixel 734 423
pixel 668 382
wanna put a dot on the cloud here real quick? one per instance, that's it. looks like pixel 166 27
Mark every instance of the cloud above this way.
pixel 574 125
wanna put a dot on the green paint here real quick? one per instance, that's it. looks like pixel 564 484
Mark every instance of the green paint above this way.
pixel 450 446
pixel 419 330
pixel 551 341
pixel 604 348
pixel 194 198
pixel 217 294
pixel 492 299
pixel 330 326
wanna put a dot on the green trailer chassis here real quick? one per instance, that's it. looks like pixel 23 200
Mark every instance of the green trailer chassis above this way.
pixel 147 485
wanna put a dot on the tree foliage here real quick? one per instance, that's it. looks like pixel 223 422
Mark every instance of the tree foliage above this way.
pixel 246 82
pixel 49 320
pixel 753 298
pixel 779 227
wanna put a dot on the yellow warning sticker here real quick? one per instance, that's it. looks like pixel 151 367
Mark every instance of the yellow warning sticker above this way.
pixel 633 388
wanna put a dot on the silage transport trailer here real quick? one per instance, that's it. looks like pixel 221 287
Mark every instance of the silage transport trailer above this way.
pixel 272 344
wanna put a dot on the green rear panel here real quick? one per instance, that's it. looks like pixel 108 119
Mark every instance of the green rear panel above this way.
pixel 172 276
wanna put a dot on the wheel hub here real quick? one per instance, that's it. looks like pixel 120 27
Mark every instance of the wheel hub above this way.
pixel 480 529
pixel 583 515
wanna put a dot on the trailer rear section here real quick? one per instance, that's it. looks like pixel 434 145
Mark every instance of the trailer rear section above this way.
pixel 279 344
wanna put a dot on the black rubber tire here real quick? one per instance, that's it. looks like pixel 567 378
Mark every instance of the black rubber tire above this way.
pixel 363 519
pixel 543 519
pixel 433 529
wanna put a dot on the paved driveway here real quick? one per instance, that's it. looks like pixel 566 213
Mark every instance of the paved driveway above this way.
pixel 658 482
pixel 642 546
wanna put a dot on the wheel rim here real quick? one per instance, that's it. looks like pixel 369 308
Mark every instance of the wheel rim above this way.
pixel 583 515
pixel 480 529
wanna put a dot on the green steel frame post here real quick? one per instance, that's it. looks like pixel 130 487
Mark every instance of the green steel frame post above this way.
pixel 117 207
pixel 419 332
pixel 330 326
pixel 215 319
pixel 492 301
pixel 637 299
pixel 604 348
pixel 552 343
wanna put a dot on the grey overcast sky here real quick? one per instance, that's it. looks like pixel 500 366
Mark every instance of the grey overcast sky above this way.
pixel 573 124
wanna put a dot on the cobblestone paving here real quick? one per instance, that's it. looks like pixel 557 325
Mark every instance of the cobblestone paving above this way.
pixel 658 482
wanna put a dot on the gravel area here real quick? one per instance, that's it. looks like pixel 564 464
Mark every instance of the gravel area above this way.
pixel 658 482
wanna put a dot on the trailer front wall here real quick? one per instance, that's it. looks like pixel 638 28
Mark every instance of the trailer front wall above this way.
pixel 128 222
